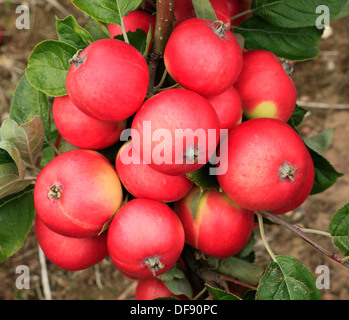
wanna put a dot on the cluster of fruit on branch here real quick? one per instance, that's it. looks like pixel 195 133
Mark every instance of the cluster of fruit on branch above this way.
pixel 228 113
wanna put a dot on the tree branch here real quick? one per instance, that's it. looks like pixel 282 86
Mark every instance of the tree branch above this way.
pixel 163 29
pixel 298 231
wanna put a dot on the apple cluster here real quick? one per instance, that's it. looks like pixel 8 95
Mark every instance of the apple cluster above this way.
pixel 141 208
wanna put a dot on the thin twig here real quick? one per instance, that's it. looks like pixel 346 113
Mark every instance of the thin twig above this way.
pixel 295 229
pixel 320 105
pixel 163 29
pixel 44 275
pixel 129 291
pixel 59 7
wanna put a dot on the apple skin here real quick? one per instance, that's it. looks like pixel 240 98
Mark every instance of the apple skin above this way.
pixel 258 154
pixel 150 289
pixel 201 60
pixel 141 231
pixel 236 7
pixel 142 181
pixel 228 107
pixel 110 81
pixel 68 253
pixel 173 110
pixel 81 130
pixel 266 90
pixel 184 10
pixel 213 223
pixel 90 192
pixel 137 19
pixel 305 191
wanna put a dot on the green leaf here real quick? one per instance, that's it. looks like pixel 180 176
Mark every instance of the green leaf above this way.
pixel 16 217
pixel 107 10
pixel 295 13
pixel 203 178
pixel 297 116
pixel 339 229
pixel 287 279
pixel 96 30
pixel 325 174
pixel 343 13
pixel 23 144
pixel 247 252
pixel 194 203
pixel 176 281
pixel 236 268
pixel 29 102
pixel 292 44
pixel 321 141
pixel 70 32
pixel 204 10
pixel 27 138
pixel 48 66
pixel 15 155
pixel 218 294
pixel 137 39
pixel 10 181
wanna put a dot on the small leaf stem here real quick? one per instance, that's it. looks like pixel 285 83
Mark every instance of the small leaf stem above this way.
pixel 261 229
pixel 200 294
pixel 54 148
pixel 124 33
pixel 314 231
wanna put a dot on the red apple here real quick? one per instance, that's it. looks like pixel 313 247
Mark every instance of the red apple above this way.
pixel 108 80
pixel 137 19
pixel 145 238
pixel 213 223
pixel 142 181
pixel 305 191
pixel 267 163
pixel 266 90
pixel 77 193
pixel 203 56
pixel 68 253
pixel 176 131
pixel 81 130
pixel 150 289
pixel 228 107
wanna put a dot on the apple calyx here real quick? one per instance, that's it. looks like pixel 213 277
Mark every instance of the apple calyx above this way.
pixel 287 171
pixel 55 192
pixel 78 61
pixel 154 264
pixel 220 28
pixel 192 154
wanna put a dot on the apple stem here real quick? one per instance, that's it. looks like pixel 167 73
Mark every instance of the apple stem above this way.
pixel 154 264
